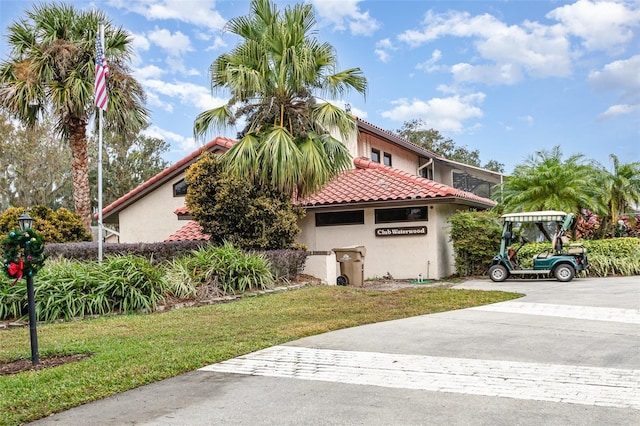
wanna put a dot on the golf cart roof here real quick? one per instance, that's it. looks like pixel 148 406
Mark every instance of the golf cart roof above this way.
pixel 541 216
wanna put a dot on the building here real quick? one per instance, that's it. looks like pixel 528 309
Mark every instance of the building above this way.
pixel 395 202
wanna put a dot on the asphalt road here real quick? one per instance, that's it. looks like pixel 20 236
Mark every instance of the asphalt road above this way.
pixel 565 354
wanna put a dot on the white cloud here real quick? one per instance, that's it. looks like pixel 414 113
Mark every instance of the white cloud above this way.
pixel 622 77
pixel 430 64
pixel 444 114
pixel 198 97
pixel 187 144
pixel 346 13
pixel 618 110
pixel 382 47
pixel 201 13
pixel 148 72
pixel 511 51
pixel 602 25
pixel 175 44
pixel 218 43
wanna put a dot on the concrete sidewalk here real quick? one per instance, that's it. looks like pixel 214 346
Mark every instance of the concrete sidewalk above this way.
pixel 565 354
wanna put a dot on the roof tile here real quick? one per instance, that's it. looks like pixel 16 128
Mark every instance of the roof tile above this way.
pixel 189 232
pixel 371 181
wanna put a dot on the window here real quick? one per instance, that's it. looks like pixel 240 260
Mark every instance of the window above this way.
pixel 427 172
pixel 375 155
pixel 387 159
pixel 180 188
pixel 407 214
pixel 353 217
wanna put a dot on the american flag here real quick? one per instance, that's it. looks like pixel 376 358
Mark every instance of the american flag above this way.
pixel 102 71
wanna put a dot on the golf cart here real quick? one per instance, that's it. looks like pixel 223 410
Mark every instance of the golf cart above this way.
pixel 562 262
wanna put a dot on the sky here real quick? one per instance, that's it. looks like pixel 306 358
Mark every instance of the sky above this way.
pixel 508 78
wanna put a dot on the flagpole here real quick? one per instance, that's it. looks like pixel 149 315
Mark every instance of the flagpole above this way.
pixel 100 237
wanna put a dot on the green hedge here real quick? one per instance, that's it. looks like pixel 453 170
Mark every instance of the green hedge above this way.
pixel 617 256
pixel 66 289
pixel 476 240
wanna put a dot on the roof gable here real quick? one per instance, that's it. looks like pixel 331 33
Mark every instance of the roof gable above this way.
pixel 218 144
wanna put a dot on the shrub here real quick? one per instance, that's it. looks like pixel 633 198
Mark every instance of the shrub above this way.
pixel 476 238
pixel 234 210
pixel 59 226
pixel 226 269
pixel 156 252
pixel 66 289
pixel 286 264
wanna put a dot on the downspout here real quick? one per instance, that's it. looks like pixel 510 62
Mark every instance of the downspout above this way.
pixel 427 164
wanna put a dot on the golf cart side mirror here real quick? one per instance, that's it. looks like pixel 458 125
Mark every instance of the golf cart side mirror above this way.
pixel 507 235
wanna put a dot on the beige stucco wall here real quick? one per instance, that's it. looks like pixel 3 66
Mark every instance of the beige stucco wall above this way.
pixel 404 257
pixel 151 218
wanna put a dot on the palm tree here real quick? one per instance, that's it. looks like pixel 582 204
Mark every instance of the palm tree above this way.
pixel 619 190
pixel 546 182
pixel 275 77
pixel 51 69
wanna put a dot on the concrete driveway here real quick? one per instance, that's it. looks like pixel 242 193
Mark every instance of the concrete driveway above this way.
pixel 565 354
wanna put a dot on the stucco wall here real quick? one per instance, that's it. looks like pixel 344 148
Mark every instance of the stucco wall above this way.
pixel 151 218
pixel 404 257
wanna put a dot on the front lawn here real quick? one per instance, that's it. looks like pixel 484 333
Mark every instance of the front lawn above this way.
pixel 134 350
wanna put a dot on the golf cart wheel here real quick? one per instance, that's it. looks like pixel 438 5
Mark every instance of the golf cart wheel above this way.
pixel 342 280
pixel 564 273
pixel 498 273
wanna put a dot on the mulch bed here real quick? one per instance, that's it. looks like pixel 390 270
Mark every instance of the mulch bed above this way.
pixel 21 365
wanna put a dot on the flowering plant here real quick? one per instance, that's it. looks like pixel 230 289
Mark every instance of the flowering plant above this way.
pixel 23 253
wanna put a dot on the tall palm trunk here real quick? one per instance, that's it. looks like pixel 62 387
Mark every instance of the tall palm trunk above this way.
pixel 80 167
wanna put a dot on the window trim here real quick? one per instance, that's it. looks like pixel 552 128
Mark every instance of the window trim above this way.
pixel 175 194
pixel 386 156
pixel 376 153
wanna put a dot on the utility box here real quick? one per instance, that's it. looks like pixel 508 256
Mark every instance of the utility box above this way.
pixel 351 261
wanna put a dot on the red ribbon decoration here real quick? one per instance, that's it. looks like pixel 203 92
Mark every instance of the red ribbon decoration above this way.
pixel 15 270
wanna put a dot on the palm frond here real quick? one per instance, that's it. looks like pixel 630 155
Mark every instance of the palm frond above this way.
pixel 214 119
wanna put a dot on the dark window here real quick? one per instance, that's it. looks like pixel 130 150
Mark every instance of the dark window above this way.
pixel 375 155
pixel 180 188
pixel 387 159
pixel 427 172
pixel 408 214
pixel 353 217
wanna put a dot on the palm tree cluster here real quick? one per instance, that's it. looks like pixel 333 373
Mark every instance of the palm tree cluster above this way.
pixel 275 78
pixel 547 182
pixel 50 73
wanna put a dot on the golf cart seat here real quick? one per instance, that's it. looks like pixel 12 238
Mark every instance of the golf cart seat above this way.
pixel 543 255
pixel 576 249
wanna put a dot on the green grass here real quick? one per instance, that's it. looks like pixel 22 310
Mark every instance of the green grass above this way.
pixel 134 350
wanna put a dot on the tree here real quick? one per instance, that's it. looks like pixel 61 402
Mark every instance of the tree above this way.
pixel 416 131
pixel 51 68
pixel 55 226
pixel 128 160
pixel 274 76
pixel 618 191
pixel 34 166
pixel 229 209
pixel 547 182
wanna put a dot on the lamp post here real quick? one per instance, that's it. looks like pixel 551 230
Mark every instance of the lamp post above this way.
pixel 26 222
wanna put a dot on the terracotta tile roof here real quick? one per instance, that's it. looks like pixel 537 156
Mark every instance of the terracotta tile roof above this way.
pixel 189 232
pixel 375 182
pixel 217 144
pixel 181 211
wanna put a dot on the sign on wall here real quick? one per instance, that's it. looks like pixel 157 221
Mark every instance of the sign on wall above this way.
pixel 401 231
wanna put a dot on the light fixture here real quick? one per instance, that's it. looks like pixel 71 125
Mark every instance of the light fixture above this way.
pixel 25 221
